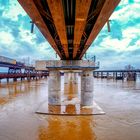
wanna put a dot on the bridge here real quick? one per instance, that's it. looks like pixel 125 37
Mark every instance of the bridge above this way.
pixel 70 26
pixel 120 74
pixel 18 70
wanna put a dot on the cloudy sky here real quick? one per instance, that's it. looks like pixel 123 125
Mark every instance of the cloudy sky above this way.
pixel 114 50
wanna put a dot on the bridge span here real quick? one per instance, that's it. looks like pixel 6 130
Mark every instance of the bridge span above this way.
pixel 70 26
pixel 121 74
pixel 18 70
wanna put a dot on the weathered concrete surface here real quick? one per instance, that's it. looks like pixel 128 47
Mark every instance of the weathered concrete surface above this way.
pixel 75 77
pixel 87 88
pixel 69 104
pixel 65 64
pixel 54 87
pixel 66 77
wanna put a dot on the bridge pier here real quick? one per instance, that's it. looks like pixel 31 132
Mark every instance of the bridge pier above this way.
pixel 102 75
pixel 87 88
pixel 75 78
pixel 14 79
pixel 73 67
pixel 28 78
pixel 131 76
pixel 54 87
pixel 70 95
pixel 21 79
pixel 107 75
pixel 113 75
pixel 7 80
pixel 66 78
pixel 97 74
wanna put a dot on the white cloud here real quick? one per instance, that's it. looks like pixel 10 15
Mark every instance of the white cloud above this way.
pixel 131 32
pixel 123 2
pixel 126 13
pixel 12 10
pixel 27 36
pixel 135 46
pixel 113 44
pixel 6 38
pixel 136 1
pixel 138 43
pixel 118 45
pixel 45 52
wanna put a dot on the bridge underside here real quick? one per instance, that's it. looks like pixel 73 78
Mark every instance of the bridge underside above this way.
pixel 70 26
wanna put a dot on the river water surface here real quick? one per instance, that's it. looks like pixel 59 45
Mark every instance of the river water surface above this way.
pixel 20 100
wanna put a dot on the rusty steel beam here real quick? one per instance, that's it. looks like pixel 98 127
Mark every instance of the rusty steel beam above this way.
pixel 32 11
pixel 103 17
pixel 56 9
pixel 82 9
pixel 96 11
pixel 42 11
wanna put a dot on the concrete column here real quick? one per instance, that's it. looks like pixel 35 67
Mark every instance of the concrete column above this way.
pixel 101 74
pixel 75 78
pixel 113 75
pixel 131 76
pixel 123 75
pixel 66 78
pixel 14 79
pixel 7 80
pixel 107 75
pixel 54 87
pixel 116 75
pixel 97 74
pixel 87 88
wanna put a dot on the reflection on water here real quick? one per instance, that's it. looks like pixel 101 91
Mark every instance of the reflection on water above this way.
pixel 71 89
pixel 19 101
pixel 9 91
pixel 67 128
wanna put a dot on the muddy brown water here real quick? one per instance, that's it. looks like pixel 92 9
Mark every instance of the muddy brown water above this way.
pixel 120 100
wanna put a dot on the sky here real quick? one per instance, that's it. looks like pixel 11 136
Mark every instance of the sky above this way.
pixel 114 49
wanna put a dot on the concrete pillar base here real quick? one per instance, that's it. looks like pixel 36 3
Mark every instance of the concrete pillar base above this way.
pixel 54 98
pixel 87 88
pixel 54 87
pixel 86 98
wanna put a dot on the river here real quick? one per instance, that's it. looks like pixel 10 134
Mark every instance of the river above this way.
pixel 20 100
